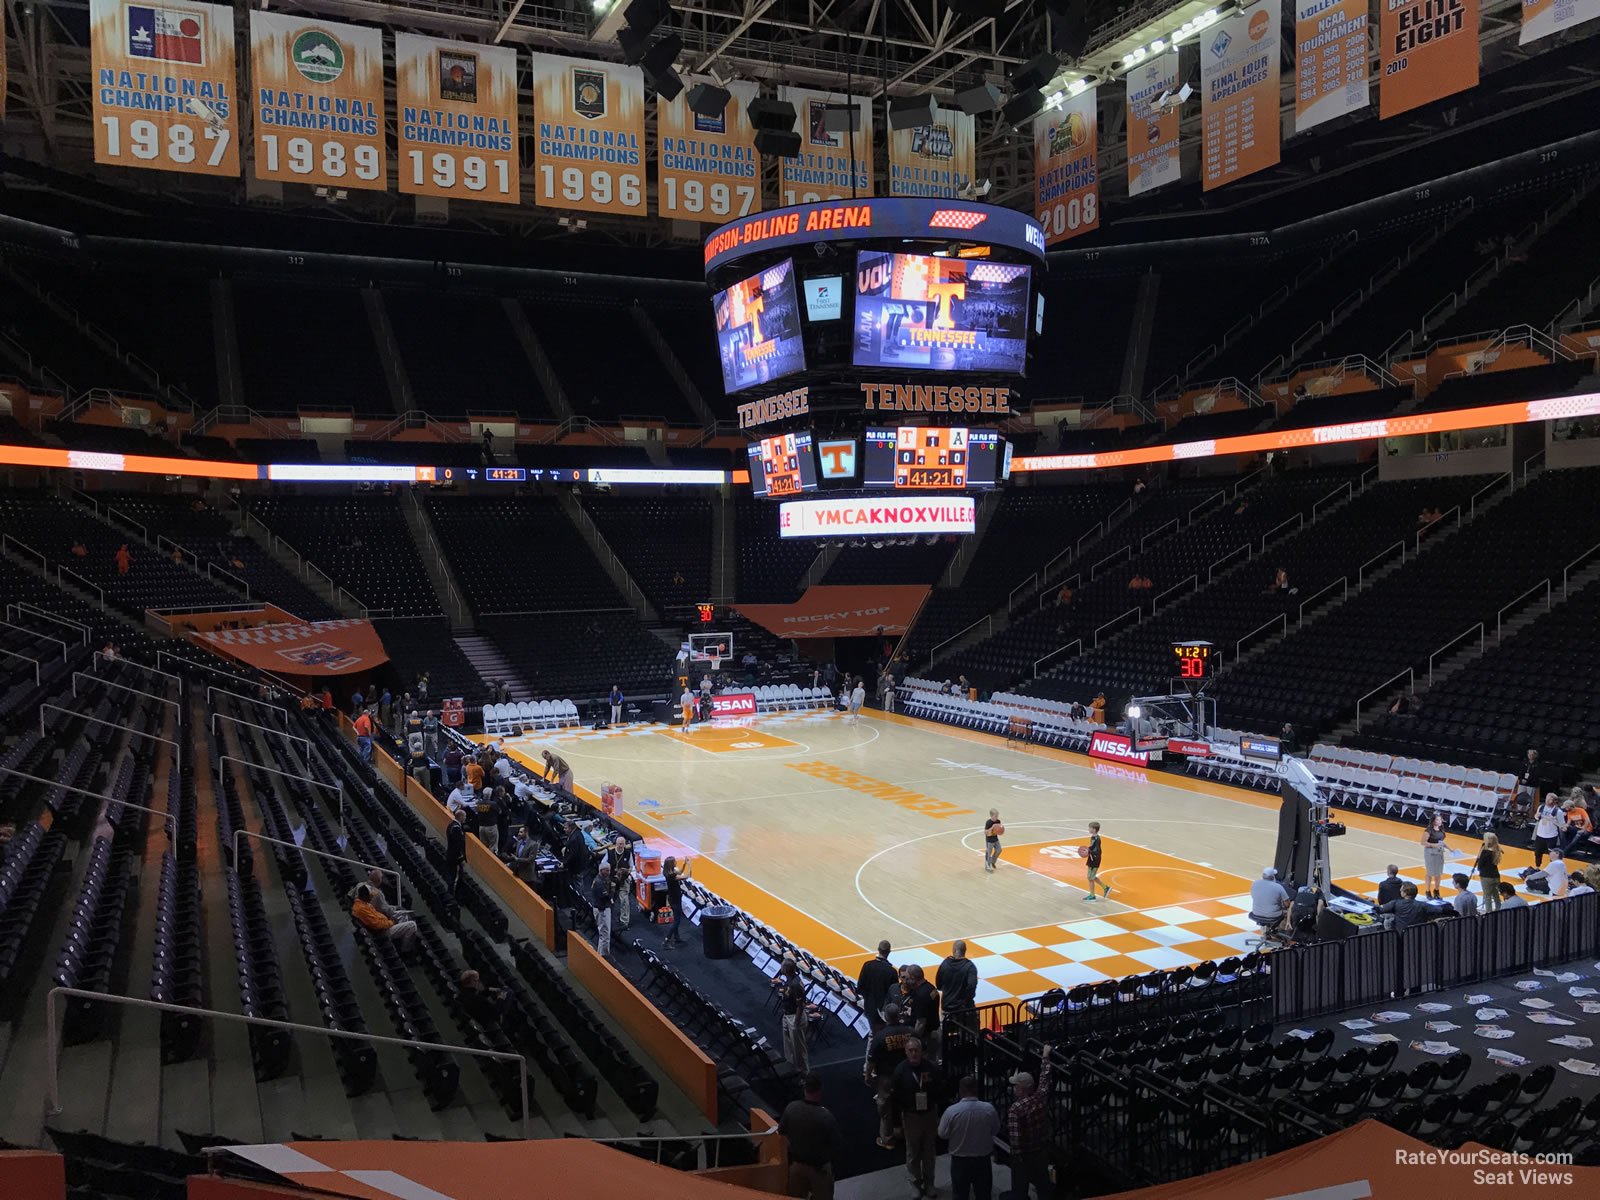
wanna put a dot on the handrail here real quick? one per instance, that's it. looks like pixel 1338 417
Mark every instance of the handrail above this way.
pixel 1525 464
pixel 33 610
pixel 1241 481
pixel 1370 471
pixel 1136 609
pixel 249 700
pixel 200 666
pixel 212 569
pixel 336 786
pixel 25 658
pixel 1238 647
pixel 293 737
pixel 1159 529
pixel 1567 570
pixel 661 1142
pixel 53 1037
pixel 1071 551
pixel 1074 581
pixel 1347 488
pixel 1417 537
pixel 1012 596
pixel 101 654
pixel 1125 549
pixel 144 534
pixel 177 749
pixel 1342 582
pixel 1361 571
pixel 44 637
pixel 76 675
pixel 7 540
pixel 1300 517
pixel 1156 603
pixel 1409 673
pixel 1499 617
pixel 960 633
pixel 167 816
pixel 1078 642
pixel 241 831
pixel 1249 552
pixel 1188 517
pixel 95 588
pixel 1478 629
pixel 1472 501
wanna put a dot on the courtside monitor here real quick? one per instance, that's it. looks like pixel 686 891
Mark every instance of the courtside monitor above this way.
pixel 917 457
pixel 758 329
pixel 783 465
pixel 927 313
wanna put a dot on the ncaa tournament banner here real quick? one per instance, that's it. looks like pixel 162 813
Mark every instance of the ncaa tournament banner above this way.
pixel 932 160
pixel 1541 18
pixel 456 109
pixel 1429 50
pixel 707 168
pixel 589 153
pixel 317 87
pixel 1239 95
pixel 1066 169
pixel 825 167
pixel 1152 132
pixel 1330 60
pixel 164 81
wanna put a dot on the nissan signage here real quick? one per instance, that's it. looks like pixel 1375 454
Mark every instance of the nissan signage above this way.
pixel 856 517
pixel 734 704
pixel 1116 747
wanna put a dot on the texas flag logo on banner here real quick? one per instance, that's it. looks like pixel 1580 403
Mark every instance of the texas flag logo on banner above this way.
pixel 166 35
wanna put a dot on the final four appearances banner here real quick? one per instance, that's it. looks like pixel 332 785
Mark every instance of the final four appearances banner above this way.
pixel 1239 95
pixel 707 168
pixel 457 110
pixel 164 87
pixel 319 110
pixel 1152 131
pixel 825 167
pixel 1066 169
pixel 589 153
pixel 1330 43
pixel 932 160
pixel 1429 50
pixel 1541 18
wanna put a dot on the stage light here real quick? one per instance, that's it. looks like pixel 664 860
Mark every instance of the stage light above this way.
pixel 1157 46
pixel 1022 106
pixel 984 98
pixel 1035 73
pixel 1135 711
pixel 1055 99
pixel 1078 86
pixel 910 112
pixel 708 100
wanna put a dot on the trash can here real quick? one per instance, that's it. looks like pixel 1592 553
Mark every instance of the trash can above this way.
pixel 716 930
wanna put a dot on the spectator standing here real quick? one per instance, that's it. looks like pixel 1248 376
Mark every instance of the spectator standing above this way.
pixel 357 703
pixel 620 858
pixel 600 899
pixel 1526 792
pixel 914 1093
pixel 615 700
pixel 474 774
pixel 970 1126
pixel 430 733
pixel 1488 868
pixel 455 847
pixel 490 814
pixel 1389 888
pixel 1433 856
pixel 1546 829
pixel 675 876
pixel 363 727
pixel 920 1001
pixel 858 697
pixel 886 1050
pixel 1464 902
pixel 1028 1131
pixel 793 1003
pixel 877 979
pixel 813 1136
pixel 123 559
pixel 452 762
pixel 957 984
pixel 386 707
pixel 418 753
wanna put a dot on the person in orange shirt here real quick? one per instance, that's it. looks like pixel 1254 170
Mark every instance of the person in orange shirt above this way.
pixel 79 550
pixel 123 559
pixel 327 700
pixel 1097 710
pixel 475 775
pixel 363 727
pixel 402 933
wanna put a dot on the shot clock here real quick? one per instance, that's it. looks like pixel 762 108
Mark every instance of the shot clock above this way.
pixel 1192 663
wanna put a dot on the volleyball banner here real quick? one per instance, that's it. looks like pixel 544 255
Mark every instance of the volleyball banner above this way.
pixel 1066 169
pixel 1429 50
pixel 589 155
pixel 1239 95
pixel 457 128
pixel 163 87
pixel 317 87
pixel 933 160
pixel 1330 60
pixel 829 162
pixel 707 168
pixel 1152 129
pixel 1541 18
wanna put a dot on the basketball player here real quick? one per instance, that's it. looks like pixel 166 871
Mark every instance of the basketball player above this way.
pixel 991 843
pixel 1091 855
pixel 687 701
pixel 858 696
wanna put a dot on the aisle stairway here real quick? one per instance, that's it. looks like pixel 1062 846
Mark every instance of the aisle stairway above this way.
pixel 490 662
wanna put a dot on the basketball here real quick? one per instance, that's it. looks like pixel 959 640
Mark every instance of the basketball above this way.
pixel 1083 852
pixel 997 830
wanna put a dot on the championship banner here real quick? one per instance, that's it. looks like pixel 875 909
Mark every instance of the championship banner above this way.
pixel 314 648
pixel 932 160
pixel 835 610
pixel 589 155
pixel 163 87
pixel 1066 169
pixel 317 87
pixel 707 168
pixel 1330 60
pixel 828 162
pixel 1540 18
pixel 1152 132
pixel 1239 95
pixel 457 127
pixel 1429 50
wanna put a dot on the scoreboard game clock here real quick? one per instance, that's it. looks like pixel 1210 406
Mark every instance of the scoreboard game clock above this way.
pixel 1192 663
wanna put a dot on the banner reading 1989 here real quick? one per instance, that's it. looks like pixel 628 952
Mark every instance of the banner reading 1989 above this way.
pixel 1066 168
pixel 589 152
pixel 164 87
pixel 319 109
pixel 831 165
pixel 707 168
pixel 457 109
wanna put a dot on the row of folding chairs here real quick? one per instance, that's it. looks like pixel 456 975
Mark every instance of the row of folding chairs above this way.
pixel 779 697
pixel 529 714
pixel 1417 768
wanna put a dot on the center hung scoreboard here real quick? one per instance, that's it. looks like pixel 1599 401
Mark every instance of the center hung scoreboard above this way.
pixel 876 348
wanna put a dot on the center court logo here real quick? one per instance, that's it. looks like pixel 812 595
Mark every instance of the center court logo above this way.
pixel 317 56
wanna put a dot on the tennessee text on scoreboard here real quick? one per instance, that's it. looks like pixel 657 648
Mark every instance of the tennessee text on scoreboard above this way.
pixel 457 110
pixel 1541 18
pixel 164 87
pixel 1152 128
pixel 317 87
pixel 932 160
pixel 1066 169
pixel 589 152
pixel 1239 75
pixel 1330 60
pixel 830 160
pixel 1429 50
pixel 707 168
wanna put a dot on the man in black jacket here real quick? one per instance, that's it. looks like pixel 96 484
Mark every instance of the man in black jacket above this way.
pixel 455 848
pixel 915 1094
pixel 877 979
pixel 1389 889
pixel 885 1052
pixel 957 982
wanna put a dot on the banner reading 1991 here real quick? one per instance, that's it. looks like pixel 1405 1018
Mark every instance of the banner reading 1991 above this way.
pixel 589 152
pixel 1330 60
pixel 934 159
pixel 164 87
pixel 319 109
pixel 707 167
pixel 457 109
pixel 831 165
pixel 1429 50
pixel 1239 96
pixel 1066 168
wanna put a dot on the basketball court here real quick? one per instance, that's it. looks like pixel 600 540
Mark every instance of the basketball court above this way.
pixel 837 834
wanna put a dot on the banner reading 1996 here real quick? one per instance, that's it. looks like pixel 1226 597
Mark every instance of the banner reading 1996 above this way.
pixel 1330 60
pixel 1239 95
pixel 1541 18
pixel 164 87
pixel 589 152
pixel 456 105
pixel 1066 168
pixel 707 167
pixel 932 160
pixel 1429 50
pixel 318 93
pixel 1152 129
pixel 829 163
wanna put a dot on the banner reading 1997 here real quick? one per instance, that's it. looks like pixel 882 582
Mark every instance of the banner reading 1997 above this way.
pixel 589 152
pixel 1429 50
pixel 457 109
pixel 831 165
pixel 707 167
pixel 1239 96
pixel 1066 168
pixel 164 87
pixel 1330 60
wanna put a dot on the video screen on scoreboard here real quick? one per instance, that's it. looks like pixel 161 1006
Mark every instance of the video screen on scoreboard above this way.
pixel 758 329
pixel 916 457
pixel 783 465
pixel 940 314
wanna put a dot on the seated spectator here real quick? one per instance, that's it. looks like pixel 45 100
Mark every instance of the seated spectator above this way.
pixel 1269 900
pixel 1554 875
pixel 1583 882
pixel 1509 897
pixel 374 886
pixel 1064 596
pixel 1404 911
pixel 79 550
pixel 1579 824
pixel 1097 706
pixel 403 934
pixel 1464 902
pixel 485 1005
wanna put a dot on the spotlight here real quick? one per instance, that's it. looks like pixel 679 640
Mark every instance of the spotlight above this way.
pixel 1135 712
pixel 910 112
pixel 1078 86
pixel 976 190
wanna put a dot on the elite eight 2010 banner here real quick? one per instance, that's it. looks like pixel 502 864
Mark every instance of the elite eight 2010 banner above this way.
pixel 164 81
pixel 1429 49
pixel 456 116
pixel 1330 60
pixel 830 161
pixel 588 152
pixel 934 159
pixel 1239 95
pixel 1153 126
pixel 707 168
pixel 317 90
pixel 1066 168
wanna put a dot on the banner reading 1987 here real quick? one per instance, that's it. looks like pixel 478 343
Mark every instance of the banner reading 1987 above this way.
pixel 1066 168
pixel 457 109
pixel 1239 96
pixel 164 87
pixel 1429 50
pixel 588 154
pixel 707 167
pixel 831 165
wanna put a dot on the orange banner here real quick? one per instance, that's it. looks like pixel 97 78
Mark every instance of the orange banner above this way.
pixel 1066 169
pixel 707 168
pixel 830 610
pixel 1429 50
pixel 315 648
pixel 1239 73
pixel 833 164
pixel 456 104
pixel 1330 60
pixel 588 155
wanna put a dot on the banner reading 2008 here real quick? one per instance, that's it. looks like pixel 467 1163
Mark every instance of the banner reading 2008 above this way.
pixel 708 168
pixel 457 110
pixel 1429 50
pixel 164 87
pixel 589 153
pixel 318 93
pixel 932 160
pixel 828 162
pixel 1239 95
pixel 1066 169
